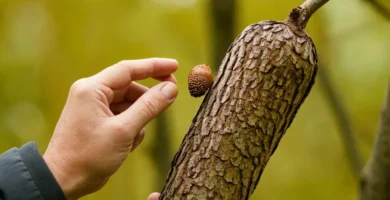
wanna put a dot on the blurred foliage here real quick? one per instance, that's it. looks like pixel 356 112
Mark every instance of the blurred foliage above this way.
pixel 46 45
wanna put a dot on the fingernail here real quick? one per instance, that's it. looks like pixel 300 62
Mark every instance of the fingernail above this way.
pixel 169 90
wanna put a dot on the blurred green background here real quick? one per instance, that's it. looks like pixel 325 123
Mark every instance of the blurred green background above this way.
pixel 46 45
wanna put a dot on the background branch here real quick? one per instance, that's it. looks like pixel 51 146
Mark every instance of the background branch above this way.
pixel 223 14
pixel 375 182
pixel 381 9
pixel 160 149
pixel 342 120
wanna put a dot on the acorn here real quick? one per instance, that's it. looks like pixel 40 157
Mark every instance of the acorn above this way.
pixel 199 80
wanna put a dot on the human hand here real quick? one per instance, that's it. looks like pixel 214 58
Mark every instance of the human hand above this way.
pixel 154 196
pixel 103 120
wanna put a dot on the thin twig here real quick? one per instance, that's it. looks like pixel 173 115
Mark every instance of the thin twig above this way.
pixel 381 9
pixel 375 182
pixel 300 16
pixel 343 121
pixel 311 6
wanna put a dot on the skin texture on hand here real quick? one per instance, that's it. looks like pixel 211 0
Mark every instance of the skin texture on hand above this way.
pixel 103 120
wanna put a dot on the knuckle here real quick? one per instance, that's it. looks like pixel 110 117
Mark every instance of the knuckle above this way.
pixel 119 128
pixel 122 63
pixel 81 87
pixel 151 107
pixel 153 62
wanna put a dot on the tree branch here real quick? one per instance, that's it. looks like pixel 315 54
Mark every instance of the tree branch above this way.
pixel 380 9
pixel 375 182
pixel 344 123
pixel 299 17
pixel 311 6
pixel 244 115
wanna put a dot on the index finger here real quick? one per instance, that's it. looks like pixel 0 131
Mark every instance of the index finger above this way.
pixel 121 74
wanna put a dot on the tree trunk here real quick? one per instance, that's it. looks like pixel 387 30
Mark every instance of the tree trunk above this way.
pixel 264 78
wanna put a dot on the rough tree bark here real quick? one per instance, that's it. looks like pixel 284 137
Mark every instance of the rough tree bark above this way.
pixel 375 181
pixel 264 78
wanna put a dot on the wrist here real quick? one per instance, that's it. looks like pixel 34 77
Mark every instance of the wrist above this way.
pixel 68 180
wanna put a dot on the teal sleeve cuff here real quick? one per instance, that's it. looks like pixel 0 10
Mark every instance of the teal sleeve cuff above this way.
pixel 40 172
pixel 25 175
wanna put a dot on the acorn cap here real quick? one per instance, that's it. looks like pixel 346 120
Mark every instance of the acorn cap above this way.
pixel 199 80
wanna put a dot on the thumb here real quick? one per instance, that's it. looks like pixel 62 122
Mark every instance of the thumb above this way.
pixel 154 196
pixel 149 105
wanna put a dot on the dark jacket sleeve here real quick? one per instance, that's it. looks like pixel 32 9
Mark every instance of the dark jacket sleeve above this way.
pixel 24 175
